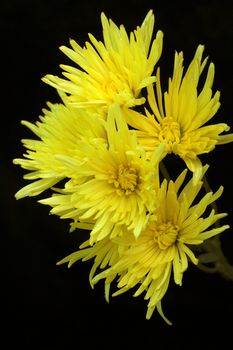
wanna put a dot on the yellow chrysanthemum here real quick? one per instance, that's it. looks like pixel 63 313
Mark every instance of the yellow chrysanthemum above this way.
pixel 114 185
pixel 180 123
pixel 60 131
pixel 109 181
pixel 163 246
pixel 113 71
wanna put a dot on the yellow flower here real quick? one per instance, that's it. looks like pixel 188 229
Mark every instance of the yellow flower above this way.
pixel 113 71
pixel 109 182
pixel 60 131
pixel 180 123
pixel 163 247
pixel 113 186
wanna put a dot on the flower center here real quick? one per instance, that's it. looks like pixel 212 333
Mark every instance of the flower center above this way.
pixel 169 132
pixel 125 178
pixel 109 86
pixel 166 234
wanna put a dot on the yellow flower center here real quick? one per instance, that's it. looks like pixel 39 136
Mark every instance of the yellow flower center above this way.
pixel 109 87
pixel 166 234
pixel 125 179
pixel 169 132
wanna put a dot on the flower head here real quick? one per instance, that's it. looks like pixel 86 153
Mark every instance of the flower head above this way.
pixel 164 246
pixel 113 71
pixel 179 119
pixel 113 186
pixel 108 179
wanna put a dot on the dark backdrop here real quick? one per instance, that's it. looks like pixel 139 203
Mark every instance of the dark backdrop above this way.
pixel 49 307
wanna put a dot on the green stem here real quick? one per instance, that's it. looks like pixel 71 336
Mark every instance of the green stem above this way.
pixel 213 246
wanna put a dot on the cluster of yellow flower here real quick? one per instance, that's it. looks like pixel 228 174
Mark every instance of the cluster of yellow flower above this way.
pixel 140 229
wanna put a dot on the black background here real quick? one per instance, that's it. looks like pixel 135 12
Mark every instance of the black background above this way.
pixel 50 307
